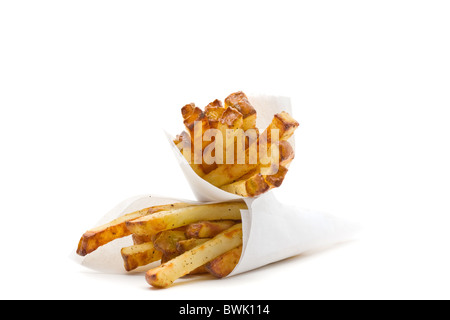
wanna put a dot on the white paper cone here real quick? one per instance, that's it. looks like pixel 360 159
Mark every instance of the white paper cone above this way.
pixel 273 232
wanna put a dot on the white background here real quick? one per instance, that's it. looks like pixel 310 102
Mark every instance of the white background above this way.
pixel 87 86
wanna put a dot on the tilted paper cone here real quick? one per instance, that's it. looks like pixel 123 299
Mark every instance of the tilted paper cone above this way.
pixel 273 231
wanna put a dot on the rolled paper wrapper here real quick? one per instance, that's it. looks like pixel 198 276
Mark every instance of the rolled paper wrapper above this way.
pixel 272 231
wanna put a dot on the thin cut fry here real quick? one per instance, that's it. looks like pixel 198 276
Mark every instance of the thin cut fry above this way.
pixel 94 238
pixel 248 187
pixel 139 255
pixel 166 241
pixel 189 244
pixel 240 101
pixel 171 219
pixel 284 123
pixel 208 229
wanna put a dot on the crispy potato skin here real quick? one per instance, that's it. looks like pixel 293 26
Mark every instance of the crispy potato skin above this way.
pixel 223 265
pixel 171 219
pixel 91 241
pixel 94 238
pixel 276 180
pixel 252 186
pixel 189 244
pixel 166 241
pixel 240 101
pixel 139 255
pixel 208 229
pixel 164 275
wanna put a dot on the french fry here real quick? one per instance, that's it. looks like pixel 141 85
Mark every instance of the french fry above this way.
pixel 164 275
pixel 208 229
pixel 214 111
pixel 171 219
pixel 229 173
pixel 186 245
pixel 196 123
pixel 226 174
pixel 166 241
pixel 223 265
pixel 254 182
pixel 248 187
pixel 240 101
pixel 139 255
pixel 189 244
pixel 287 153
pixel 187 110
pixel 230 121
pixel 94 238
pixel 284 123
pixel 275 180
pixel 142 239
pixel 184 144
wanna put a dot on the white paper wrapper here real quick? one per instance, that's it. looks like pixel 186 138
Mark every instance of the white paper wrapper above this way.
pixel 272 231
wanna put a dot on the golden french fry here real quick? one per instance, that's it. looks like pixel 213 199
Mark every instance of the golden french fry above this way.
pixel 275 180
pixel 139 255
pixel 94 238
pixel 164 275
pixel 171 219
pixel 248 187
pixel 230 121
pixel 184 144
pixel 223 265
pixel 189 244
pixel 254 183
pixel 240 101
pixel 196 123
pixel 188 110
pixel 284 123
pixel 208 229
pixel 287 153
pixel 226 174
pixel 183 246
pixel 214 111
pixel 142 239
pixel 166 241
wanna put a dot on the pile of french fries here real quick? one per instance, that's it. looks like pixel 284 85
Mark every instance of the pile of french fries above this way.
pixel 185 238
pixel 247 179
